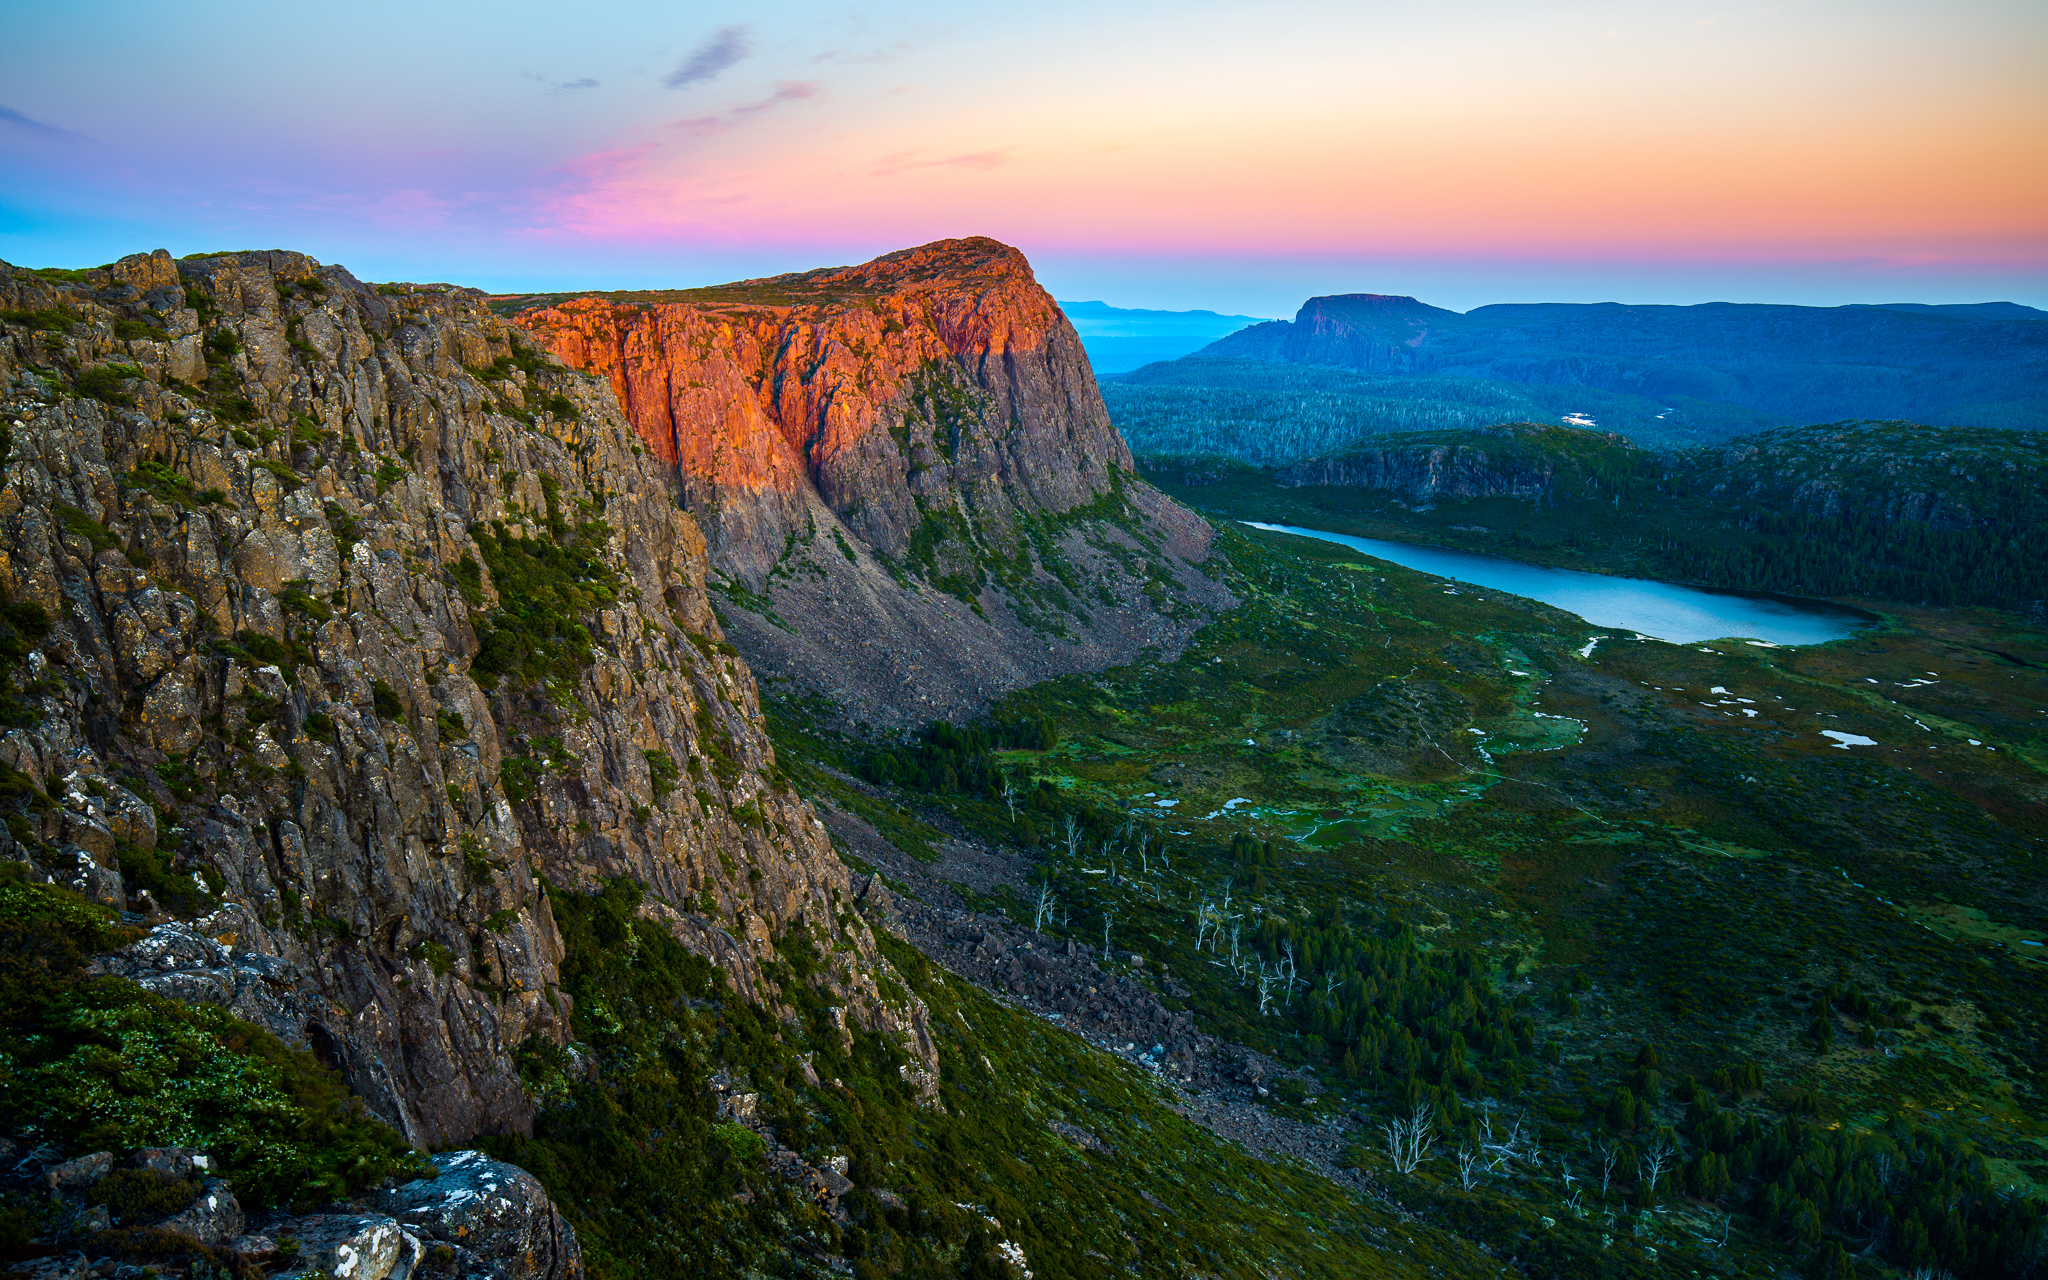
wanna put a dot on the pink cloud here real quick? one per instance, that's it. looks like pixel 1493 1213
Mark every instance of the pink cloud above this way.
pixel 788 91
pixel 900 161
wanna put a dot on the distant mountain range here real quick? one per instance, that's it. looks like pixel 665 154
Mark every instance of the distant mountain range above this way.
pixel 1119 339
pixel 1687 374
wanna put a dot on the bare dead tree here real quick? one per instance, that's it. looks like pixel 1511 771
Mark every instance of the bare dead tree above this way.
pixel 1469 1158
pixel 1608 1151
pixel 1652 1165
pixel 1010 796
pixel 1409 1138
pixel 1045 906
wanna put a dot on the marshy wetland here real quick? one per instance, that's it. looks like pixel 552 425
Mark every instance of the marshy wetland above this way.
pixel 1691 958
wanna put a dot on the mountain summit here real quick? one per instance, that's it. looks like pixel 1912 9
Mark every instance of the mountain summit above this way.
pixel 1976 365
pixel 906 463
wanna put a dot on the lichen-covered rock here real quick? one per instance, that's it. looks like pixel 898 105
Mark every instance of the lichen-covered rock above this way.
pixel 175 1162
pixel 79 1173
pixel 496 1212
pixel 62 1266
pixel 273 583
pixel 349 1246
pixel 213 1218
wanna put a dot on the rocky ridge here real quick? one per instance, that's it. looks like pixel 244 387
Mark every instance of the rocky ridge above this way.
pixel 908 482
pixel 1980 367
pixel 1514 460
pixel 289 718
pixel 1947 478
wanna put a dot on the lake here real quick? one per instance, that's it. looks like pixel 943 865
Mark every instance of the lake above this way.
pixel 1682 615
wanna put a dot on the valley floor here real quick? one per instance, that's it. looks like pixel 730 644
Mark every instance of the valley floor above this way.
pixel 1700 959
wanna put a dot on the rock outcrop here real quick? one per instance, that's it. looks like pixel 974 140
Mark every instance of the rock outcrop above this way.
pixel 1514 460
pixel 471 1216
pixel 496 1214
pixel 1950 479
pixel 1372 332
pixel 908 482
pixel 368 625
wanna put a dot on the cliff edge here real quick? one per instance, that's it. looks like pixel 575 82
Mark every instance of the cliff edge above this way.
pixel 913 497
pixel 369 629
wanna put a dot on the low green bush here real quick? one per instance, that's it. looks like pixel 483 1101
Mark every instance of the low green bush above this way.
pixel 105 383
pixel 97 1063
pixel 137 1196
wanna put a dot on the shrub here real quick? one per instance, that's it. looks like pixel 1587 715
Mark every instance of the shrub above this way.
pixel 156 478
pixel 104 383
pixel 662 773
pixel 149 869
pixel 52 319
pixel 136 1196
pixel 99 1063
pixel 129 330
pixel 545 589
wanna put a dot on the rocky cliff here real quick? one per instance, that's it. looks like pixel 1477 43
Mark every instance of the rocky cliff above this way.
pixel 910 489
pixel 1515 460
pixel 1950 479
pixel 1375 332
pixel 370 630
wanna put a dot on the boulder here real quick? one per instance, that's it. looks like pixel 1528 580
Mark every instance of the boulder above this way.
pixel 350 1246
pixel 178 1162
pixel 83 1221
pixel 213 1219
pixel 496 1212
pixel 75 1175
pixel 65 1266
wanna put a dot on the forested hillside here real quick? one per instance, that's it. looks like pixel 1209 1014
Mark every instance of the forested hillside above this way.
pixel 1270 414
pixel 1882 510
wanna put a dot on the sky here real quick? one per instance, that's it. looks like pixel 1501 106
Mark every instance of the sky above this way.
pixel 1190 154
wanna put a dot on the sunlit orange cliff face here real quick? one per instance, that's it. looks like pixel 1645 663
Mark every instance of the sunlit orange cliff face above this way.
pixel 942 374
pixel 913 495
